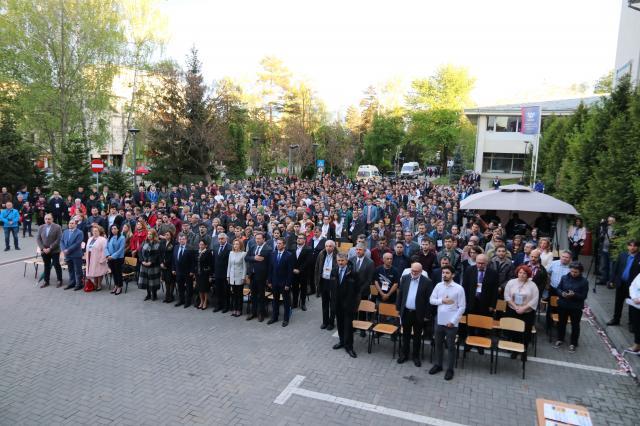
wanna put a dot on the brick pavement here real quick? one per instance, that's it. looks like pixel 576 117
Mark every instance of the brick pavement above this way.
pixel 76 358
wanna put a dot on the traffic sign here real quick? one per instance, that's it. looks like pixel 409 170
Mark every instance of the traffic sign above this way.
pixel 97 165
pixel 319 163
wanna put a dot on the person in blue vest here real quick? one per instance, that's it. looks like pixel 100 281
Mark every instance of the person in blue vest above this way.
pixel 71 246
pixel 280 281
pixel 10 219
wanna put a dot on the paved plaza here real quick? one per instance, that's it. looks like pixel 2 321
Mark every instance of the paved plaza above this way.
pixel 75 358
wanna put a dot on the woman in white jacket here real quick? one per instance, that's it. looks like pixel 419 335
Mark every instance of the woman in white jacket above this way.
pixel 577 233
pixel 237 276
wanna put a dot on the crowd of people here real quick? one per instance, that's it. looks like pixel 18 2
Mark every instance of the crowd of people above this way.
pixel 282 240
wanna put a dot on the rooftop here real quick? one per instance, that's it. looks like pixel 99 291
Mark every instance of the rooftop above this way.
pixel 557 107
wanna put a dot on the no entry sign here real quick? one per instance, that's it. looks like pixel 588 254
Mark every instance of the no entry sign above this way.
pixel 97 165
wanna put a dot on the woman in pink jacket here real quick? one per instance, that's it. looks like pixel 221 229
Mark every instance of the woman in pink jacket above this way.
pixel 96 259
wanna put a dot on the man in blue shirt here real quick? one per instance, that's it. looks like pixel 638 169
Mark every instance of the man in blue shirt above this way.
pixel 10 219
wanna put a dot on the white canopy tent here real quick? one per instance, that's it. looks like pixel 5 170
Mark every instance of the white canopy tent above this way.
pixel 522 199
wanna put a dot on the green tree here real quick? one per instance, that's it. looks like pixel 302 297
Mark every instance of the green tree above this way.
pixel 604 84
pixel 386 133
pixel 433 133
pixel 17 164
pixel 449 88
pixel 74 168
pixel 62 55
pixel 117 180
pixel 457 170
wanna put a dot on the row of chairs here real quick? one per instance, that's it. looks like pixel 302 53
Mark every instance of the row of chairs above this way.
pixel 383 319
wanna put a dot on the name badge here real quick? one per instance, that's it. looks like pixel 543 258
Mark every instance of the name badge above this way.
pixel 57 206
pixel 518 298
pixel 326 273
pixel 439 243
pixel 385 287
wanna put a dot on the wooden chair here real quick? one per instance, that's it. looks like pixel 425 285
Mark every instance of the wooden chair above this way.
pixel 373 291
pixel 131 262
pixel 36 262
pixel 387 310
pixel 513 325
pixel 368 308
pixel 480 322
pixel 552 317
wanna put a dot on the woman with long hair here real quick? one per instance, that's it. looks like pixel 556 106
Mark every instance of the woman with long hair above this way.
pixel 166 263
pixel 577 233
pixel 149 256
pixel 546 255
pixel 204 271
pixel 115 258
pixel 237 276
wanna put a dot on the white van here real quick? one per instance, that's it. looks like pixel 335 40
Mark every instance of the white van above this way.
pixel 367 172
pixel 410 170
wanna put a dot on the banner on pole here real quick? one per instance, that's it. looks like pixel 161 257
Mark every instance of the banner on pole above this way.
pixel 530 121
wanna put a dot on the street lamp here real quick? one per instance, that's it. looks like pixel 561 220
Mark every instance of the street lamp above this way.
pixel 291 148
pixel 133 131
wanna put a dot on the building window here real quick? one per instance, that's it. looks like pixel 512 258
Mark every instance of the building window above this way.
pixel 503 123
pixel 497 162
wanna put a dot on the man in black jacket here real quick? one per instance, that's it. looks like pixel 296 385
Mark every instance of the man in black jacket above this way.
pixel 627 267
pixel 221 261
pixel 258 269
pixel 183 269
pixel 347 298
pixel 413 305
pixel 302 268
pixel 480 284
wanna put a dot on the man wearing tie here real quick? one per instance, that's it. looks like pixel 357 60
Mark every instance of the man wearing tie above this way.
pixel 364 270
pixel 183 269
pixel 48 240
pixel 301 267
pixel 370 213
pixel 413 305
pixel 258 269
pixel 221 261
pixel 325 283
pixel 71 245
pixel 480 283
pixel 347 298
pixel 279 281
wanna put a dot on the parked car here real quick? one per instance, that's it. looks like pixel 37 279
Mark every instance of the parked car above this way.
pixel 410 170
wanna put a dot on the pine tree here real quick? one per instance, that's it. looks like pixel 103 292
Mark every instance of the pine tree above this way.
pixel 117 180
pixel 17 164
pixel 238 165
pixel 74 169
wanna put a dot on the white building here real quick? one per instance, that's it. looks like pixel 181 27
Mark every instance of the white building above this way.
pixel 628 51
pixel 500 147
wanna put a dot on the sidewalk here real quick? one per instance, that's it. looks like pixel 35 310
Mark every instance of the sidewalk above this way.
pixel 601 303
pixel 27 248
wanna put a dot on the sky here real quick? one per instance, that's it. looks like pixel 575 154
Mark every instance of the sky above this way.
pixel 517 50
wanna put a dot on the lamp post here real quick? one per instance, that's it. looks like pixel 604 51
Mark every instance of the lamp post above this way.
pixel 291 148
pixel 133 131
pixel 524 161
pixel 315 160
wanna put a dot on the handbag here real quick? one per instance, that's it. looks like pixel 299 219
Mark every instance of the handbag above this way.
pixel 88 285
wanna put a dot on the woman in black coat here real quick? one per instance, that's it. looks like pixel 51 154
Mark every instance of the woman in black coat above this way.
pixel 204 271
pixel 166 263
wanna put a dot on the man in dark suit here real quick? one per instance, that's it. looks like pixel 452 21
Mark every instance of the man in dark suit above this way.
pixel 183 269
pixel 413 305
pixel 480 284
pixel 347 298
pixel 280 281
pixel 325 283
pixel 48 240
pixel 364 270
pixel 302 267
pixel 221 261
pixel 258 269
pixel 317 245
pixel 627 267
pixel 71 246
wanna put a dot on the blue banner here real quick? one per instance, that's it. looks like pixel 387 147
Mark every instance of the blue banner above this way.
pixel 530 121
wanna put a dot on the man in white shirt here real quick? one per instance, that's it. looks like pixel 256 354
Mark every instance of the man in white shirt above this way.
pixel 449 297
